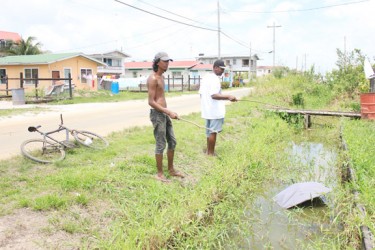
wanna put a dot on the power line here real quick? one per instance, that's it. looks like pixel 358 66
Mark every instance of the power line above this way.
pixel 308 9
pixel 170 12
pixel 164 17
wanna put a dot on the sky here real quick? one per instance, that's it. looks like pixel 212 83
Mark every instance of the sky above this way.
pixel 297 34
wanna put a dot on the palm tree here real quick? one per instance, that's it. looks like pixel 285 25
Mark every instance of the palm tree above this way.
pixel 5 47
pixel 25 47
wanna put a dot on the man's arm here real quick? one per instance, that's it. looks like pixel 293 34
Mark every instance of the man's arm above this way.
pixel 224 97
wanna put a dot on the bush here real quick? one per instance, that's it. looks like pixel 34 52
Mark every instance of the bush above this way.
pixel 225 85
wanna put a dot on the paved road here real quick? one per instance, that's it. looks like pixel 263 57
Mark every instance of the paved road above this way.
pixel 101 118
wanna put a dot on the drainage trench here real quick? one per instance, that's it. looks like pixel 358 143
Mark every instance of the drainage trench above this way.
pixel 271 226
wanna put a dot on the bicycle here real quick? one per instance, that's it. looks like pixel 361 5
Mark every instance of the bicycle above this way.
pixel 49 149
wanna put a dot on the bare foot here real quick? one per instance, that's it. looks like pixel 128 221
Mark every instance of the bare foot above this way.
pixel 162 178
pixel 176 173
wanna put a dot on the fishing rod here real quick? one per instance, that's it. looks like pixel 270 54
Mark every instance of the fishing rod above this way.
pixel 199 126
pixel 182 119
pixel 276 106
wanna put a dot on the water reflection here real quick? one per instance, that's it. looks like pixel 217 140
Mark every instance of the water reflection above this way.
pixel 276 228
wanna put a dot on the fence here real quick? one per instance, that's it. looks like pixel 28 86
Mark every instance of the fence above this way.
pixel 172 84
pixel 52 92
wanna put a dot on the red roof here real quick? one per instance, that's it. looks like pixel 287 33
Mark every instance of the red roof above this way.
pixel 203 66
pixel 174 64
pixel 5 35
pixel 138 65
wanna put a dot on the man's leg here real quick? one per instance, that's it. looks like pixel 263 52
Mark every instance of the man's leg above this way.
pixel 159 165
pixel 211 141
pixel 172 171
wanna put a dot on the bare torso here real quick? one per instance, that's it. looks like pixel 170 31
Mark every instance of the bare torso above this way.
pixel 155 84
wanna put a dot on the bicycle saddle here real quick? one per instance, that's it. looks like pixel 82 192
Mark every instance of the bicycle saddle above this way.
pixel 33 129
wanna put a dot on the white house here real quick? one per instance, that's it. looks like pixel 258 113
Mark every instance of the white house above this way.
pixel 176 69
pixel 114 61
pixel 235 63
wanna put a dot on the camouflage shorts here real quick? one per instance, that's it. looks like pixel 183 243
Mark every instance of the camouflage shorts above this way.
pixel 163 131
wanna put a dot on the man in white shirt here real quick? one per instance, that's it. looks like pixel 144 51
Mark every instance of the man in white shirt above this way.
pixel 212 104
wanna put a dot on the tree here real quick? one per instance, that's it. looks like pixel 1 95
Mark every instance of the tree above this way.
pixel 349 77
pixel 25 47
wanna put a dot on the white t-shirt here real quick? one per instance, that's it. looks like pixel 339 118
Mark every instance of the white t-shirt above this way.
pixel 211 108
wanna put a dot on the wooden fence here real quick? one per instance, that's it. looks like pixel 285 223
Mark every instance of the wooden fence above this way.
pixel 175 84
pixel 54 91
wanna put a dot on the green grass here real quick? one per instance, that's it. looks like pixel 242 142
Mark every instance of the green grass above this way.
pixel 109 199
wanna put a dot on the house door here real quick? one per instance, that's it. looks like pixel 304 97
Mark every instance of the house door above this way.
pixel 55 76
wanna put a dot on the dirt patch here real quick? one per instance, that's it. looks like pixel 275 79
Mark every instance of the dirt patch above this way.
pixel 27 229
pixel 77 227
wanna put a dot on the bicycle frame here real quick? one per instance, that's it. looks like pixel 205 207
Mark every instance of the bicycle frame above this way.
pixel 47 134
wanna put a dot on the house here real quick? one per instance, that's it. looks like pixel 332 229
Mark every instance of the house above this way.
pixel 6 38
pixel 176 69
pixel 264 70
pixel 82 68
pixel 235 63
pixel 114 61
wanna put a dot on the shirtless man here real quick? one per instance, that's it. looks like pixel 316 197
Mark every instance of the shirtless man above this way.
pixel 160 117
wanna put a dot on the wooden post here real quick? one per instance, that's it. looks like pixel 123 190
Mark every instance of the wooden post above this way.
pixel 372 85
pixel 168 86
pixel 36 87
pixel 188 82
pixel 70 86
pixel 307 121
pixel 6 84
pixel 182 83
pixel 21 80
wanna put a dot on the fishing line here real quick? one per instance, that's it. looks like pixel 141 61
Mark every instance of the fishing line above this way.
pixel 276 106
pixel 199 126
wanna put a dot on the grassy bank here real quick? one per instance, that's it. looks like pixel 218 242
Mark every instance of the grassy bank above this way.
pixel 110 200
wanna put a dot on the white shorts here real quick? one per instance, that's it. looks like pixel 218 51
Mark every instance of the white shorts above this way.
pixel 214 126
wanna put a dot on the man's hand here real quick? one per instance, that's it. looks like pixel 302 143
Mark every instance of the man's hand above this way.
pixel 173 115
pixel 232 98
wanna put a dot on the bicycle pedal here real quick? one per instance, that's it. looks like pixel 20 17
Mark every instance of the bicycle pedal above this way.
pixel 69 144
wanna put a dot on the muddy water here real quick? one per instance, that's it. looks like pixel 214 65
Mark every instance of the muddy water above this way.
pixel 273 227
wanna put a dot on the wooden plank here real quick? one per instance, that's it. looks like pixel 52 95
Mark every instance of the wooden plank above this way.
pixel 317 112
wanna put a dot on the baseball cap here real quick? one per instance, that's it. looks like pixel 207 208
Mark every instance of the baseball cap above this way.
pixel 220 63
pixel 162 56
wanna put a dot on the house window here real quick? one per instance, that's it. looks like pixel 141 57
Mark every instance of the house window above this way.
pixel 234 61
pixel 66 74
pixel 31 73
pixel 245 62
pixel 177 74
pixel 2 43
pixel 112 62
pixel 86 75
pixel 134 74
pixel 116 63
pixel 3 73
pixel 108 61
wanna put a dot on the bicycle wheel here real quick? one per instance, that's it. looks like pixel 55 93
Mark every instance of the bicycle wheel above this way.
pixel 90 139
pixel 42 151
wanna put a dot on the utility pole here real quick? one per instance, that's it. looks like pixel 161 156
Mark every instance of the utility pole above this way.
pixel 274 52
pixel 345 53
pixel 218 29
pixel 250 65
pixel 297 64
